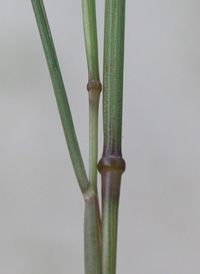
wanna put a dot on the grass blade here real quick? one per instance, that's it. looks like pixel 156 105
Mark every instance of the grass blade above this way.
pixel 60 94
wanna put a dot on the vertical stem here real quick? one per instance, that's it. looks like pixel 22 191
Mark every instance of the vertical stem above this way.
pixel 112 165
pixel 90 34
pixel 110 196
pixel 113 73
pixel 92 235
pixel 94 85
pixel 93 136
pixel 111 169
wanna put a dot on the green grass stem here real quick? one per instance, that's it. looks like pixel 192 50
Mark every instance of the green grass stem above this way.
pixel 113 73
pixel 93 86
pixel 92 255
pixel 90 34
pixel 112 165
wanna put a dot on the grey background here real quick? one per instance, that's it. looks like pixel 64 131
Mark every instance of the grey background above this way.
pixel 41 208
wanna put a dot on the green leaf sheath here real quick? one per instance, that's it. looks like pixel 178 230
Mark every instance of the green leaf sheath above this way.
pixel 113 74
pixel 60 94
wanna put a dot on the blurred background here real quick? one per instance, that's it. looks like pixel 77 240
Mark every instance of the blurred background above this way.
pixel 41 208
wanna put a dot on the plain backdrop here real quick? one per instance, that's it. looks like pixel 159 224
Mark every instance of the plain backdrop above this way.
pixel 41 208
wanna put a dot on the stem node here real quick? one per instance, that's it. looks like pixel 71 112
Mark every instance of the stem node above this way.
pixel 94 85
pixel 112 163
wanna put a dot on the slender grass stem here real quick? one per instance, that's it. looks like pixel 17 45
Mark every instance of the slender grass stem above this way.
pixel 90 34
pixel 91 236
pixel 60 94
pixel 93 136
pixel 112 165
pixel 94 85
pixel 93 141
pixel 92 255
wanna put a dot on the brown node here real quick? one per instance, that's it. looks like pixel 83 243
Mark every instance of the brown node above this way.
pixel 111 162
pixel 94 85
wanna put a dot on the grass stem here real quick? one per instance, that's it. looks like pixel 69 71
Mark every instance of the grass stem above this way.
pixel 91 236
pixel 112 165
pixel 92 254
